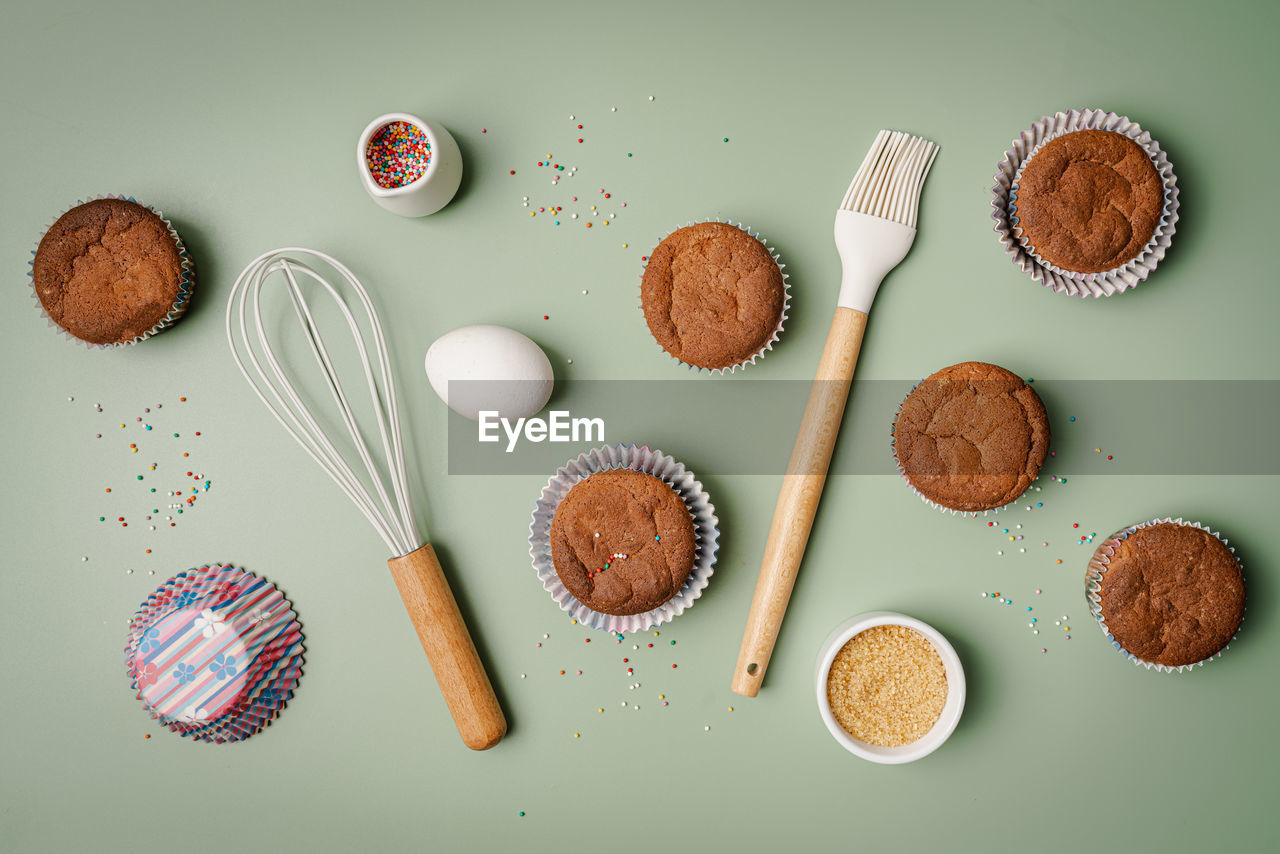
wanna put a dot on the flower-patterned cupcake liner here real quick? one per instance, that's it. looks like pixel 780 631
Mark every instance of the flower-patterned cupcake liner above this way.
pixel 186 284
pixel 1093 586
pixel 1004 206
pixel 214 653
pixel 902 472
pixel 782 318
pixel 637 458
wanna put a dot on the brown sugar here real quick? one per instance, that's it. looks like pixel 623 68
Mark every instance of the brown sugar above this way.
pixel 887 686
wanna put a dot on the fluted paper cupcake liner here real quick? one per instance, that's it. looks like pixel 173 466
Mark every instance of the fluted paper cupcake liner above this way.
pixel 1093 585
pixel 782 319
pixel 1004 204
pixel 637 458
pixel 214 653
pixel 280 656
pixel 969 514
pixel 186 284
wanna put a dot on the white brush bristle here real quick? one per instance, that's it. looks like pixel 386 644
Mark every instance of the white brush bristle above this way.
pixel 888 182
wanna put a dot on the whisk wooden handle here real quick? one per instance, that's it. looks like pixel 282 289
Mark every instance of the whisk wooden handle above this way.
pixel 454 661
pixel 798 499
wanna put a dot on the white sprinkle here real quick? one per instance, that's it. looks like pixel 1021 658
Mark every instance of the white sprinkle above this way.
pixel 151 572
pixel 597 533
pixel 632 687
pixel 637 708
pixel 522 675
pixel 573 216
pixel 128 572
pixel 999 553
pixel 545 636
pixel 83 559
pixel 623 704
pixel 571 361
pixel 585 292
pixel 613 109
pixel 706 729
pixel 650 97
pixel 1035 631
pixel 70 398
pixel 570 118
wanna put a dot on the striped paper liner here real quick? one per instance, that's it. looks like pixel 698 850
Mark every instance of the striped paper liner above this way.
pixel 214 653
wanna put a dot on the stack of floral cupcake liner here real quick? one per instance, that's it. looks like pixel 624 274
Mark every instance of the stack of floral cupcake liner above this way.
pixel 1093 589
pixel 639 458
pixel 1005 201
pixel 185 286
pixel 786 298
pixel 214 653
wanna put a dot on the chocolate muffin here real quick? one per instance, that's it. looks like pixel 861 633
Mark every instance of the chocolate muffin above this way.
pixel 971 437
pixel 622 542
pixel 712 295
pixel 1089 201
pixel 109 272
pixel 1169 593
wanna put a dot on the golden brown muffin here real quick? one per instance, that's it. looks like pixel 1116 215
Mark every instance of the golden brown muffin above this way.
pixel 108 271
pixel 1171 594
pixel 971 437
pixel 1089 201
pixel 622 542
pixel 712 295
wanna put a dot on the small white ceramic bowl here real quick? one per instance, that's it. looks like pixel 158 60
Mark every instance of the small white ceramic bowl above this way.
pixel 951 710
pixel 434 189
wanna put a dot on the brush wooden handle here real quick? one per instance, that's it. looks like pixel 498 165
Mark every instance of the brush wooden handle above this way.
pixel 454 661
pixel 798 499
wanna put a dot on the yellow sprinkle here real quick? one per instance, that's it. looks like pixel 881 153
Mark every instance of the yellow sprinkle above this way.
pixel 574 622
pixel 624 246
pixel 533 213
pixel 1011 539
pixel 655 634
pixel 1066 628
pixel 1097 450
pixel 601 711
pixel 662 696
pixel 593 207
pixel 731 708
pixel 577 735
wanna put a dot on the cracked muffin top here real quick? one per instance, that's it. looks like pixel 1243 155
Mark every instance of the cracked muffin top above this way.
pixel 712 295
pixel 1172 594
pixel 622 542
pixel 107 271
pixel 1089 201
pixel 971 437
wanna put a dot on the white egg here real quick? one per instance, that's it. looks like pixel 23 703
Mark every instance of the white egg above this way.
pixel 490 368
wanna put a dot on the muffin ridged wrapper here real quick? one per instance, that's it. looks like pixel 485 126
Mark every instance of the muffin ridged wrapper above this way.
pixel 186 284
pixel 1004 206
pixel 782 318
pixel 1093 585
pixel 969 514
pixel 238 636
pixel 639 458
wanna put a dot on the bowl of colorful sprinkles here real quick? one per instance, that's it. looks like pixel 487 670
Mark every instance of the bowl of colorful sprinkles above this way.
pixel 890 688
pixel 408 165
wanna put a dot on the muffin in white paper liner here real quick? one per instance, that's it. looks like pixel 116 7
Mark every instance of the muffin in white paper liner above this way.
pixel 1093 585
pixel 186 284
pixel 968 514
pixel 639 458
pixel 1004 206
pixel 782 318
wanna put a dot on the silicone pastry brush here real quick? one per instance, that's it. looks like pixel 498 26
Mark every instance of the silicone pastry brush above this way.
pixel 875 227
pixel 381 492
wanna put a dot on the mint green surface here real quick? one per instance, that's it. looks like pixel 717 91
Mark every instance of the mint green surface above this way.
pixel 238 120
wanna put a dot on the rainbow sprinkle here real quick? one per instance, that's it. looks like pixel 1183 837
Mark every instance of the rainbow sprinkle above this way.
pixel 398 154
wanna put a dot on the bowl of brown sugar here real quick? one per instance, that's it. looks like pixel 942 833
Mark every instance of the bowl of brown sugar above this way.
pixel 890 688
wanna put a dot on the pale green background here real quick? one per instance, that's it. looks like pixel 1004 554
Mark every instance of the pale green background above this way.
pixel 239 120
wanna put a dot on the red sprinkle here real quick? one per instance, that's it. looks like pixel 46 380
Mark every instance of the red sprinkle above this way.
pixel 546 317
pixel 579 140
pixel 513 171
